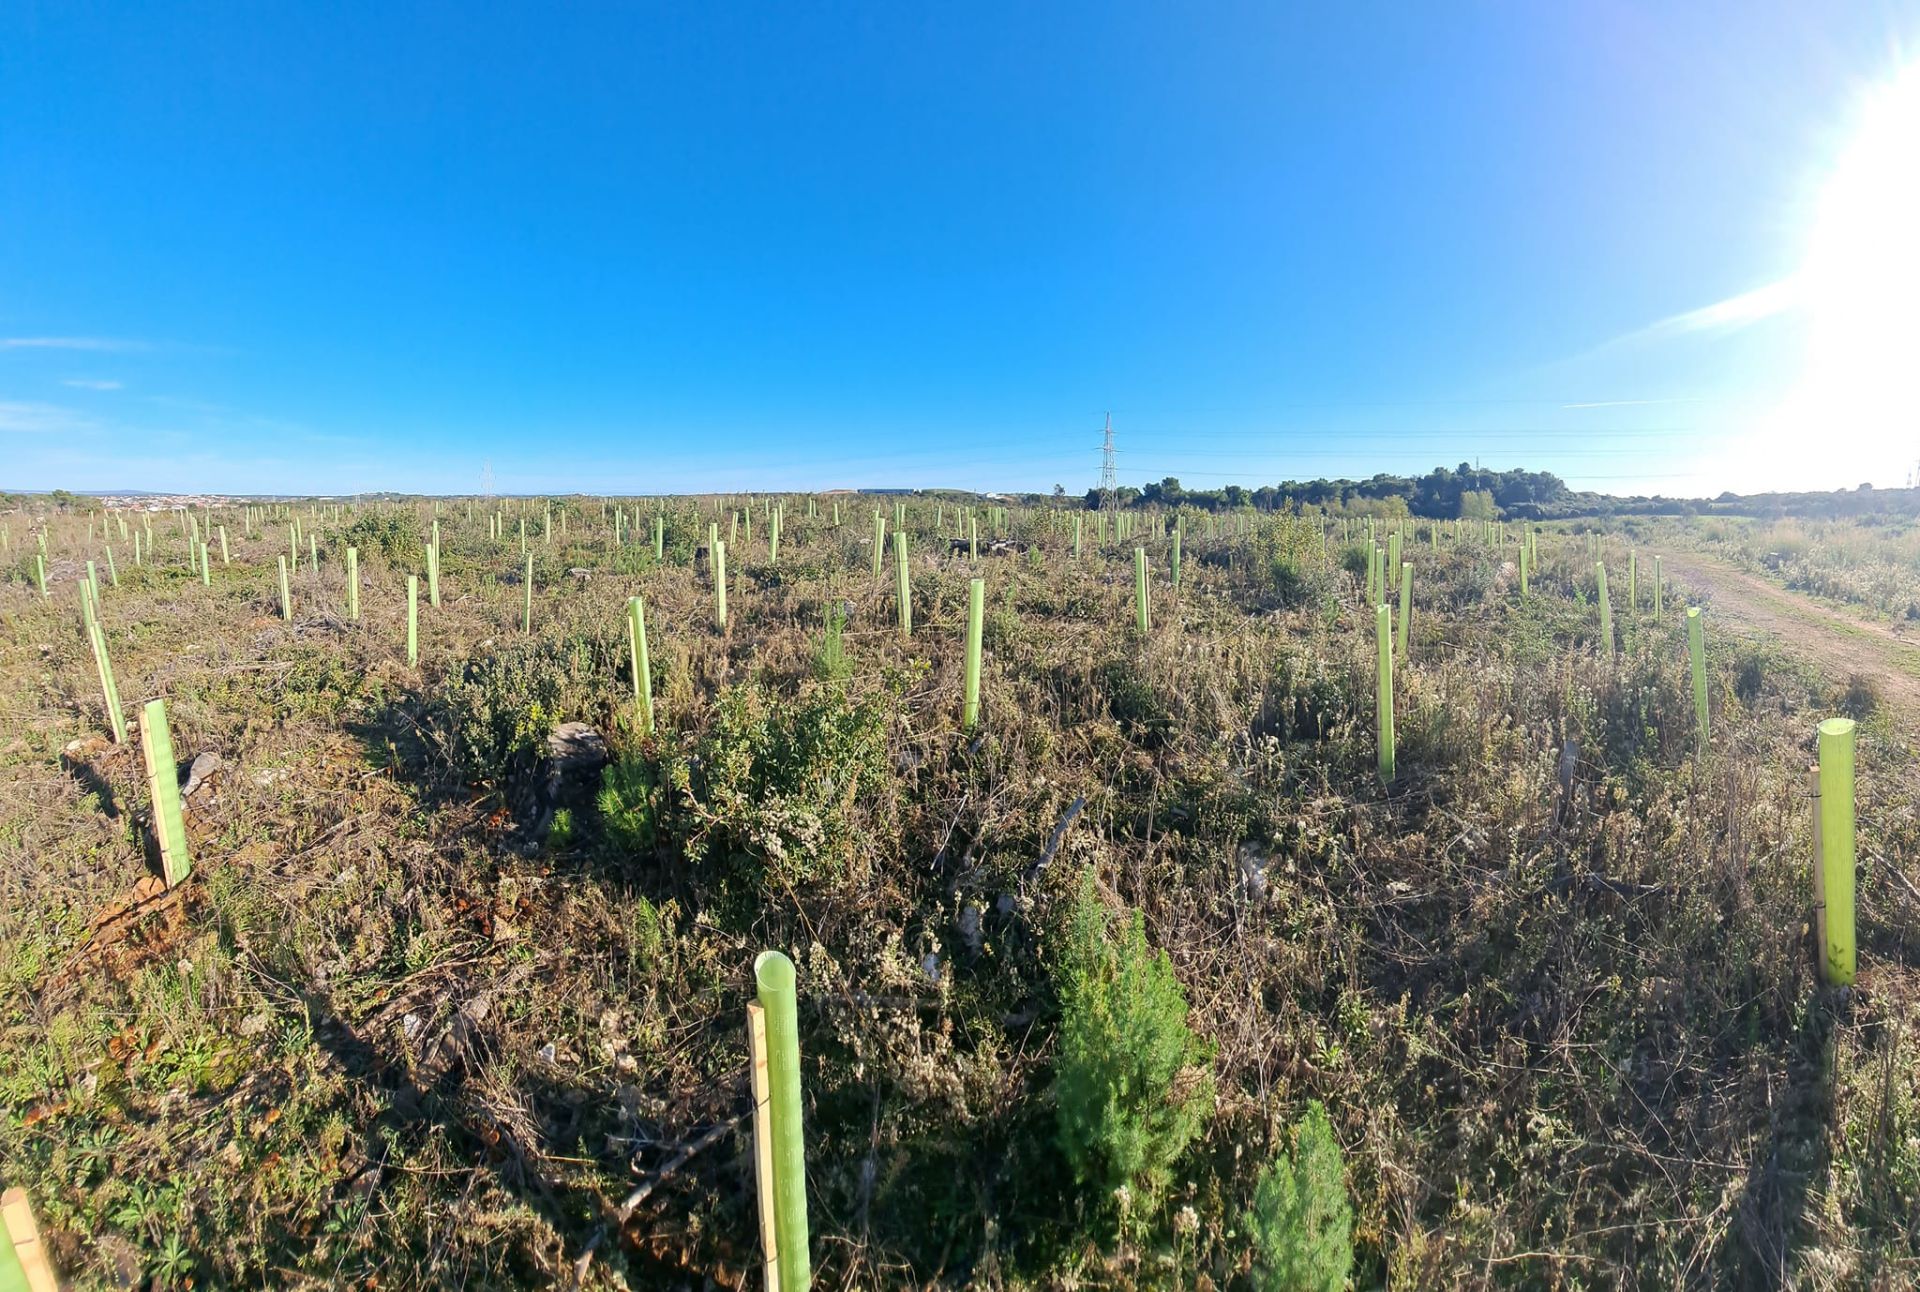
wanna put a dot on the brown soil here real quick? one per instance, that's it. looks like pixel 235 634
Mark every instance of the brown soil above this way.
pixel 1842 646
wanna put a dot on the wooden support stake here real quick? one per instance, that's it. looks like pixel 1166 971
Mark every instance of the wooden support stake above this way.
pixel 23 1255
pixel 1821 945
pixel 763 1139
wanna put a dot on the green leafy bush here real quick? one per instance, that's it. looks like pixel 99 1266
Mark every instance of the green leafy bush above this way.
pixel 629 804
pixel 395 535
pixel 830 661
pixel 1301 1221
pixel 782 784
pixel 1133 1085
pixel 495 712
pixel 1135 703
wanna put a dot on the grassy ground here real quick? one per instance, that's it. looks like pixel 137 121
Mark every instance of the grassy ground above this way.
pixel 406 1026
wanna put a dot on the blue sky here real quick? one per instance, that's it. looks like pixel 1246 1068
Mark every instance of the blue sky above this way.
pixel 722 246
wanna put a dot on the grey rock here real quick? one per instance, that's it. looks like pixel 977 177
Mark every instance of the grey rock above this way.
pixel 1253 871
pixel 969 926
pixel 199 775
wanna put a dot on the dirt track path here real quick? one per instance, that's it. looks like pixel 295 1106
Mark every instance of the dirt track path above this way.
pixel 1837 643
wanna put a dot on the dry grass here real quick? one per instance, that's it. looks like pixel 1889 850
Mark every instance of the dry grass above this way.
pixel 387 1037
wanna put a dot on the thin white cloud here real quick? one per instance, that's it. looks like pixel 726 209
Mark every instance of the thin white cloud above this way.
pixel 1735 312
pixel 21 418
pixel 92 343
pixel 1718 319
pixel 1621 403
pixel 91 383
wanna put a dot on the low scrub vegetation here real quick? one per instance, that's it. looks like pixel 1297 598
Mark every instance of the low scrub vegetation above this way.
pixel 1146 980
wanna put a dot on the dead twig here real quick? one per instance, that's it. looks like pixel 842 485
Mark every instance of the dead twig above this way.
pixel 632 1201
pixel 1053 844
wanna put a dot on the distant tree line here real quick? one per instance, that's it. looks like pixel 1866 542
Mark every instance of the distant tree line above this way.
pixel 1465 490
pixel 1476 493
pixel 56 500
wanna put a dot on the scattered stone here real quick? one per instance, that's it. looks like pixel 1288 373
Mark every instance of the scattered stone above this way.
pixel 1253 871
pixel 969 926
pixel 570 774
pixel 79 751
pixel 199 776
pixel 365 1183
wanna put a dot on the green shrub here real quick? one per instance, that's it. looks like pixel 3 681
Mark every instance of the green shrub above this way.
pixel 1135 703
pixel 1301 1221
pixel 782 784
pixel 1292 587
pixel 830 661
pixel 1307 701
pixel 1354 559
pixel 395 535
pixel 496 713
pixel 629 804
pixel 1133 1085
pixel 1861 699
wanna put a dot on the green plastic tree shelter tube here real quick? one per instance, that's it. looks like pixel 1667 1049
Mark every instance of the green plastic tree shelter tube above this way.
pixel 109 690
pixel 1142 611
pixel 1383 703
pixel 163 781
pixel 353 584
pixel 526 618
pixel 1837 737
pixel 774 977
pixel 642 663
pixel 903 587
pixel 976 619
pixel 413 620
pixel 1406 608
pixel 879 543
pixel 286 594
pixel 1697 653
pixel 720 584
pixel 1606 607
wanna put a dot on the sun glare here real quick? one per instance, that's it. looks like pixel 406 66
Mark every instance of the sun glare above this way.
pixel 1855 415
